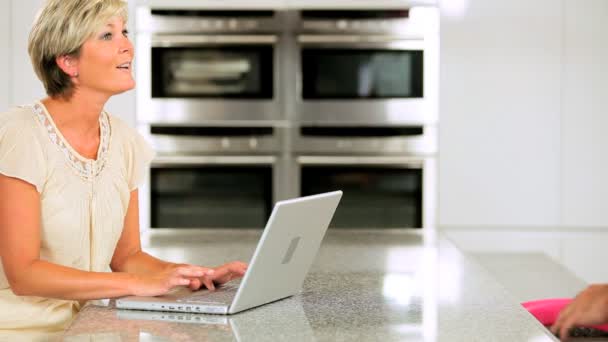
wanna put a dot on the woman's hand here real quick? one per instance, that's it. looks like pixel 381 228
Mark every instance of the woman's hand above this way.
pixel 590 307
pixel 222 274
pixel 174 275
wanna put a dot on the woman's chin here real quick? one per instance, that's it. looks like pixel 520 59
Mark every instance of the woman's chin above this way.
pixel 124 88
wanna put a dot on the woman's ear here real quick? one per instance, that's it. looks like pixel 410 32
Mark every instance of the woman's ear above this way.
pixel 68 64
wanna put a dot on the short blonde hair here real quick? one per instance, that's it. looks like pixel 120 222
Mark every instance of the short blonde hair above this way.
pixel 60 29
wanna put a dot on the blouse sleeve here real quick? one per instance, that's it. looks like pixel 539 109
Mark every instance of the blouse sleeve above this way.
pixel 141 154
pixel 21 154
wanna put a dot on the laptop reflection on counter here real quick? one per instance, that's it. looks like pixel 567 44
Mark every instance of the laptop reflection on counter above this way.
pixel 282 258
pixel 287 322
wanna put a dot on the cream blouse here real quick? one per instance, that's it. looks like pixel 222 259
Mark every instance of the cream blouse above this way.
pixel 83 202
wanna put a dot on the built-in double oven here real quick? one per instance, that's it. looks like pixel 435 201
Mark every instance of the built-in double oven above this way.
pixel 245 108
pixel 210 103
pixel 387 174
pixel 366 113
pixel 367 68
pixel 212 177
pixel 200 66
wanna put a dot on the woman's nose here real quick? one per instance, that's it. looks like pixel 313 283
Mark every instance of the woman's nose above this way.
pixel 126 46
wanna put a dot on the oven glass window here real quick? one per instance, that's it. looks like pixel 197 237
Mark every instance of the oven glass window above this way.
pixel 211 197
pixel 361 74
pixel 374 197
pixel 213 72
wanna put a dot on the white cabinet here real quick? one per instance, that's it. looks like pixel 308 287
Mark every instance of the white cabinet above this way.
pixel 500 114
pixel 585 114
pixel 524 113
pixel 5 69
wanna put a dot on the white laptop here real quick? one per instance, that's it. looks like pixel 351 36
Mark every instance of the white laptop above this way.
pixel 277 270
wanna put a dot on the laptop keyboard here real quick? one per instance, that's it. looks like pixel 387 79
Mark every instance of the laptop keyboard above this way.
pixel 222 295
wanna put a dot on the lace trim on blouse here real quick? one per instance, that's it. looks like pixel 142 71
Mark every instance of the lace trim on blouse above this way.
pixel 88 169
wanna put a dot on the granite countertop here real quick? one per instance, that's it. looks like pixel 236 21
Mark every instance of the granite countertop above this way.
pixel 364 285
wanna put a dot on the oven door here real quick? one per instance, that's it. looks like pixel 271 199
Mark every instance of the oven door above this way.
pixel 379 192
pixel 211 191
pixel 364 80
pixel 199 79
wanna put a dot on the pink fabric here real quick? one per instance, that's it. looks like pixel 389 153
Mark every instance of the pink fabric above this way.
pixel 547 310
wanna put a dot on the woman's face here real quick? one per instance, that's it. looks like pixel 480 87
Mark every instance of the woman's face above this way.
pixel 104 64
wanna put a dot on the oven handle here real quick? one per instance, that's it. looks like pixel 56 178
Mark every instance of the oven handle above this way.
pixel 409 162
pixel 161 161
pixel 386 41
pixel 211 40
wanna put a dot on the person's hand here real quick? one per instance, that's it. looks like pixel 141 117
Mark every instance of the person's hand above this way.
pixel 222 274
pixel 590 307
pixel 175 275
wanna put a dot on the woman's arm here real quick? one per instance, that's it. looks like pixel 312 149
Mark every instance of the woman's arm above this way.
pixel 129 257
pixel 29 276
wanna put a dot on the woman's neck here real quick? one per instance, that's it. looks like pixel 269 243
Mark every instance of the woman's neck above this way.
pixel 78 121
pixel 77 116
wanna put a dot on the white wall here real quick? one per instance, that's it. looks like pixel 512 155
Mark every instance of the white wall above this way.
pixel 585 114
pixel 5 38
pixel 25 85
pixel 500 114
pixel 123 105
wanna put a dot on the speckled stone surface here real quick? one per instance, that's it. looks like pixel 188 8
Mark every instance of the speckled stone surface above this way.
pixel 531 276
pixel 363 286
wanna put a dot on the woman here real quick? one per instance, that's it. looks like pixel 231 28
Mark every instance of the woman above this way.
pixel 69 174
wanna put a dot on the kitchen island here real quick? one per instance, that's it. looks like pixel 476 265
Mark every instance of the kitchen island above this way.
pixel 381 285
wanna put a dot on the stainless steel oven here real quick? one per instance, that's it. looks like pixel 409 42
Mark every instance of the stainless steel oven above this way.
pixel 387 173
pixel 200 67
pixel 379 192
pixel 366 67
pixel 245 108
pixel 212 177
